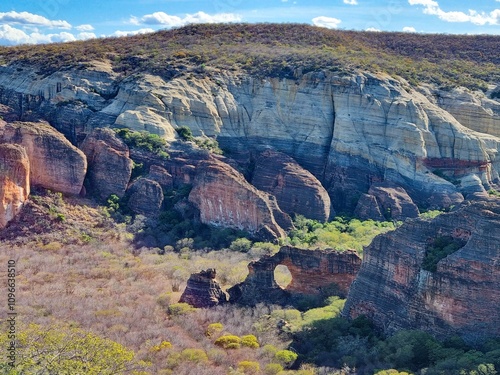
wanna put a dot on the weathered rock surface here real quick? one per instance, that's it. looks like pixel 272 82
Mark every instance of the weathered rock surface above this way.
pixel 161 175
pixel 393 201
pixel 226 199
pixel 54 162
pixel 348 131
pixel 460 297
pixel 368 208
pixel 14 181
pixel 311 272
pixel 203 290
pixel 296 189
pixel 145 197
pixel 110 166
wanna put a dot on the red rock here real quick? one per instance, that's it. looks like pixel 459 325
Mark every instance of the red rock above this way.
pixel 203 290
pixel 296 189
pixel 14 181
pixel 394 201
pixel 224 198
pixel 145 197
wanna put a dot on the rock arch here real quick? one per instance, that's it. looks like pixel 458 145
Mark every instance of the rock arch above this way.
pixel 312 272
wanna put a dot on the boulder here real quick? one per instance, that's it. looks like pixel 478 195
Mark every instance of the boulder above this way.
pixel 161 175
pixel 14 181
pixel 54 162
pixel 110 166
pixel 368 208
pixel 224 198
pixel 203 290
pixel 145 197
pixel 393 201
pixel 296 189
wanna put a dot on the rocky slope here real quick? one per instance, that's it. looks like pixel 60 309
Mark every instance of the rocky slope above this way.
pixel 349 131
pixel 399 289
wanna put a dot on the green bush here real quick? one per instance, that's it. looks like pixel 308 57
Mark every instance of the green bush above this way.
pixel 228 342
pixel 249 367
pixel 241 244
pixel 439 249
pixel 185 133
pixel 181 308
pixel 273 369
pixel 285 357
pixel 144 140
pixel 194 355
pixel 250 341
pixel 213 329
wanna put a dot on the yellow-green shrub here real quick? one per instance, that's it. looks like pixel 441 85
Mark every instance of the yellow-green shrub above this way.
pixel 249 367
pixel 273 369
pixel 228 342
pixel 250 341
pixel 214 328
pixel 194 355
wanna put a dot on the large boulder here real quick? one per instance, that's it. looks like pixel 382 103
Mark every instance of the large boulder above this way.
pixel 296 189
pixel 145 197
pixel 224 198
pixel 203 290
pixel 54 162
pixel 14 181
pixel 110 166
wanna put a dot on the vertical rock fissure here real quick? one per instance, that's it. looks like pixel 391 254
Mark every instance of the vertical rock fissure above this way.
pixel 329 141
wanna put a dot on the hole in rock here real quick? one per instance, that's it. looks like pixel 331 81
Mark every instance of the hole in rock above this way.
pixel 282 276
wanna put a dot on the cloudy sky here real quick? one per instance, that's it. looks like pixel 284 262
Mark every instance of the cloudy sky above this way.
pixel 45 21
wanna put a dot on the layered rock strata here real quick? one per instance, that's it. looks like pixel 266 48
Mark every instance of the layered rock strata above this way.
pixel 14 181
pixel 145 197
pixel 203 290
pixel 312 272
pixel 54 162
pixel 457 295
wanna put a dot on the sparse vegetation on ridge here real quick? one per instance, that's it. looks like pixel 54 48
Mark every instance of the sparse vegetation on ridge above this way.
pixel 279 50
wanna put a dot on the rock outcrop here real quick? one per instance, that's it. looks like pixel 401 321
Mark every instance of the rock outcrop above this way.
pixel 145 197
pixel 401 286
pixel 14 181
pixel 203 290
pixel 225 198
pixel 110 166
pixel 296 189
pixel 312 272
pixel 54 162
pixel 161 175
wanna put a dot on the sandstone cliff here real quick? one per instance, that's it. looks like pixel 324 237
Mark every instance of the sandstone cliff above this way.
pixel 14 181
pixel 54 162
pixel 458 295
pixel 203 290
pixel 348 131
pixel 226 199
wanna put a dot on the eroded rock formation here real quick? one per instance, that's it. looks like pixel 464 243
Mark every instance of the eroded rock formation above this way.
pixel 226 199
pixel 296 189
pixel 203 290
pixel 460 296
pixel 110 166
pixel 145 197
pixel 312 271
pixel 14 181
pixel 54 162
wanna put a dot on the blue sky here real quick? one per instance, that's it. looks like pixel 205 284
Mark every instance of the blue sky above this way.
pixel 45 21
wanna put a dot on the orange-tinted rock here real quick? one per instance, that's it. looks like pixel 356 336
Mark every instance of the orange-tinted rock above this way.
pixel 296 189
pixel 459 297
pixel 54 162
pixel 14 181
pixel 312 272
pixel 110 166
pixel 203 290
pixel 224 198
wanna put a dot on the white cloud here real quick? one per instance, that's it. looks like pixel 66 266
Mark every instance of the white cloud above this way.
pixel 373 30
pixel 12 36
pixel 432 7
pixel 85 27
pixel 409 29
pixel 86 35
pixel 30 19
pixel 351 2
pixel 133 32
pixel 328 22
pixel 164 19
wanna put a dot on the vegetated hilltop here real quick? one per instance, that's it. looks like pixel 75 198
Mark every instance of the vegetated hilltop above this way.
pixel 281 50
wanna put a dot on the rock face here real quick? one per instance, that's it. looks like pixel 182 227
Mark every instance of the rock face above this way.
pixel 54 162
pixel 145 197
pixel 296 189
pixel 349 131
pixel 203 290
pixel 226 199
pixel 14 181
pixel 161 175
pixel 311 272
pixel 110 166
pixel 458 296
